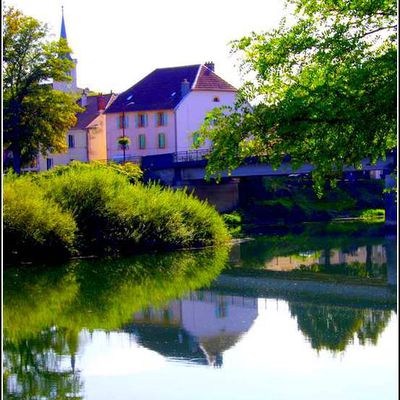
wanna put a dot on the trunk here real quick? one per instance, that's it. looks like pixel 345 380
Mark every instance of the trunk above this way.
pixel 16 158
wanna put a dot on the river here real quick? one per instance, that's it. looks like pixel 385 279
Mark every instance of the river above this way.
pixel 304 315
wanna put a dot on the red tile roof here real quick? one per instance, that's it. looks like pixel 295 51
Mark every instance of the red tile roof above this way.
pixel 91 110
pixel 161 89
pixel 209 80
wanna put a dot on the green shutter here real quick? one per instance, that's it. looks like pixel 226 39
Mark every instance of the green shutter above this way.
pixel 161 140
pixel 142 142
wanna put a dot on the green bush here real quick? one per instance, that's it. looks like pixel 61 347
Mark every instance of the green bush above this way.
pixel 34 227
pixel 114 215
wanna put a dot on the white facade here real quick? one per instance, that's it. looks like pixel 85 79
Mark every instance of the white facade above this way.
pixel 77 150
pixel 192 110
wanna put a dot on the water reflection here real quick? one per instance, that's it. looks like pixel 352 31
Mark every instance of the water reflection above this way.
pixel 334 328
pixel 45 309
pixel 196 329
pixel 166 304
pixel 353 256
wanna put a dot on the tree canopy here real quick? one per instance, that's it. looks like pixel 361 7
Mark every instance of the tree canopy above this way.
pixel 321 89
pixel 36 117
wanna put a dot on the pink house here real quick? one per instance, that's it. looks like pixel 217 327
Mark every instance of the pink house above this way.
pixel 159 114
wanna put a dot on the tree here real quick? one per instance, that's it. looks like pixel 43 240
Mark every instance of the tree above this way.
pixel 324 88
pixel 36 117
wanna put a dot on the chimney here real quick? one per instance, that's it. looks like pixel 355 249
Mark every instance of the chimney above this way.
pixel 185 87
pixel 84 97
pixel 210 65
pixel 101 103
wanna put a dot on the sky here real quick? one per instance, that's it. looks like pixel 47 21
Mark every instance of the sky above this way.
pixel 118 42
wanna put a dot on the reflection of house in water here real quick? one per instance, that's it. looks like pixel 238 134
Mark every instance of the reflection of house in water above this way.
pixel 374 254
pixel 197 329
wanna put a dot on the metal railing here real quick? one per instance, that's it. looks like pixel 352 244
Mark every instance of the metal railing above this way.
pixel 131 159
pixel 191 155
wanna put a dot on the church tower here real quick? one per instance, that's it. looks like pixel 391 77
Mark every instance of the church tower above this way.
pixel 72 85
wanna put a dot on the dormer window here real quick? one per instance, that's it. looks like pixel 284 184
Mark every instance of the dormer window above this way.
pixel 216 99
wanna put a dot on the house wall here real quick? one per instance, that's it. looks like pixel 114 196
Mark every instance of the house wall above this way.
pixel 78 153
pixel 191 111
pixel 151 132
pixel 97 141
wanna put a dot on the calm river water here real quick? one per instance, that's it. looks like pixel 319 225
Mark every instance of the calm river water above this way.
pixel 193 325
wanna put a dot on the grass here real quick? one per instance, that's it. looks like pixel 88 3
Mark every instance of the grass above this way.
pixel 34 225
pixel 95 209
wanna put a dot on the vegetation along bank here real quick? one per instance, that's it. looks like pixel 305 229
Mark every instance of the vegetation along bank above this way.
pixel 98 209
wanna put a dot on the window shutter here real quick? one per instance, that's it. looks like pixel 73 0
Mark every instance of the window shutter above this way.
pixel 118 122
pixel 165 119
pixel 142 141
pixel 136 120
pixel 156 119
pixel 126 122
pixel 161 140
pixel 146 120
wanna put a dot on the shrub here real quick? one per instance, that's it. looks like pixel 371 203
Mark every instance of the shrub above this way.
pixel 113 214
pixel 34 227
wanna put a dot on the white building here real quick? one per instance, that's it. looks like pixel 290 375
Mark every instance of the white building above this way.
pixel 160 113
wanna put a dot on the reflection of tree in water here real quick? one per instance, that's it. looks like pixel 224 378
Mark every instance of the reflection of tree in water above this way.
pixel 36 368
pixel 91 294
pixel 332 327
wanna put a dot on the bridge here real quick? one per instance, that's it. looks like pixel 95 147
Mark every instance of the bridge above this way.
pixel 190 166
pixel 188 169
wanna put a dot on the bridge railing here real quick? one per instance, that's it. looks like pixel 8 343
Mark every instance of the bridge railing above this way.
pixel 131 159
pixel 191 155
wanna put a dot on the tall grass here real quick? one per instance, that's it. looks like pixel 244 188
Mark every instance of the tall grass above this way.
pixel 34 226
pixel 113 215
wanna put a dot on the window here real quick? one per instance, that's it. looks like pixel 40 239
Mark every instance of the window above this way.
pixel 49 163
pixel 216 99
pixel 71 141
pixel 141 120
pixel 161 140
pixel 142 142
pixel 161 119
pixel 122 122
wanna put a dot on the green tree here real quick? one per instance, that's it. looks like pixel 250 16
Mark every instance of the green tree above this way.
pixel 322 89
pixel 36 117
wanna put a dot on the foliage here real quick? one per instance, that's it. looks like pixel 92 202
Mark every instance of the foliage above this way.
pixel 373 214
pixel 36 117
pixel 33 225
pixel 124 141
pixel 112 215
pixel 324 91
pixel 234 222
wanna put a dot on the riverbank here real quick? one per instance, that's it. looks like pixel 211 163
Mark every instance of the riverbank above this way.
pixel 100 209
pixel 317 291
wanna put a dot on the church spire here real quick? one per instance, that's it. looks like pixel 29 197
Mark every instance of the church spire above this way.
pixel 63 33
